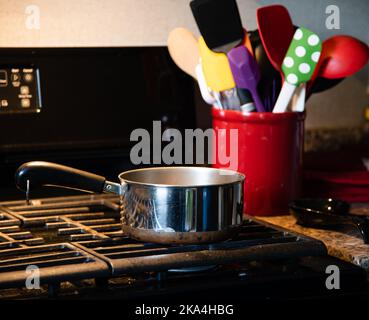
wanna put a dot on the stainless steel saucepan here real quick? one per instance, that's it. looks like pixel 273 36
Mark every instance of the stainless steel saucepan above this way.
pixel 163 204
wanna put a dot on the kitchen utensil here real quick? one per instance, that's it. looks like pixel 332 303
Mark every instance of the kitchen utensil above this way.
pixel 276 32
pixel 219 23
pixel 217 72
pixel 183 49
pixel 218 77
pixel 327 214
pixel 270 82
pixel 206 94
pixel 322 84
pixel 220 38
pixel 298 65
pixel 246 73
pixel 164 204
pixel 298 99
pixel 247 42
pixel 247 104
pixel 229 99
pixel 341 57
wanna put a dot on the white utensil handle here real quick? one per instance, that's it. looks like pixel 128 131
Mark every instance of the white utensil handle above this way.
pixel 298 101
pixel 248 107
pixel 206 95
pixel 284 97
pixel 229 99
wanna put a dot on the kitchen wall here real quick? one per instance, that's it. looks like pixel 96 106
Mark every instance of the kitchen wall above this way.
pixel 54 23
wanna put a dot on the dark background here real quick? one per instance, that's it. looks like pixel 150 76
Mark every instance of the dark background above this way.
pixel 92 99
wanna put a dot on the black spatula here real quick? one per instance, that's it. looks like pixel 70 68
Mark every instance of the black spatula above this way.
pixel 219 23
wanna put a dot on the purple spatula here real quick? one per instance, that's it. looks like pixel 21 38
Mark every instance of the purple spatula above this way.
pixel 246 73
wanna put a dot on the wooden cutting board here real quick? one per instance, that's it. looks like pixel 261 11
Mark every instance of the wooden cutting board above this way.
pixel 345 244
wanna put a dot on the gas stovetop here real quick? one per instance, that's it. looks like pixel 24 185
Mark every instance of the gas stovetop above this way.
pixel 79 249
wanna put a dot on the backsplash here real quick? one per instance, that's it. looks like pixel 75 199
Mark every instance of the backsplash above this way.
pixel 333 139
pixel 117 23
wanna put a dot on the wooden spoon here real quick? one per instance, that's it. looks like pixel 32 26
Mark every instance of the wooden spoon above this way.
pixel 183 48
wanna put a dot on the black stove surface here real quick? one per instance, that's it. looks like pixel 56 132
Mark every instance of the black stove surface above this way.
pixel 80 251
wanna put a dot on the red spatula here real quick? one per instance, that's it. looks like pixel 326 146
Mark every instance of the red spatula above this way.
pixel 342 56
pixel 276 32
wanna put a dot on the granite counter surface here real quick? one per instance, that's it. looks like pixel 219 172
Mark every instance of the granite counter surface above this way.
pixel 345 244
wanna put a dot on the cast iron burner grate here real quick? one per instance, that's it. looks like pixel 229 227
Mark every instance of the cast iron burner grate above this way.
pixel 255 242
pixel 11 235
pixel 56 263
pixel 80 237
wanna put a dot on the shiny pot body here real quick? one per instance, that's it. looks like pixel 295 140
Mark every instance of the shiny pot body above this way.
pixel 197 214
pixel 181 204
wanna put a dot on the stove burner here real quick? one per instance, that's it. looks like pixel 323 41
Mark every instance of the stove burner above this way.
pixel 80 238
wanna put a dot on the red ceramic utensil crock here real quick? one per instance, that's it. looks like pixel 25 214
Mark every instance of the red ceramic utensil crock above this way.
pixel 270 148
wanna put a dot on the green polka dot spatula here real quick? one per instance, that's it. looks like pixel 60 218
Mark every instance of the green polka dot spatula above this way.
pixel 298 67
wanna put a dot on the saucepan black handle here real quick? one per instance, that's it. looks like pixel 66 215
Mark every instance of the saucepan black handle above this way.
pixel 40 173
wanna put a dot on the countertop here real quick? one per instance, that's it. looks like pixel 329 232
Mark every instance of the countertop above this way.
pixel 345 244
